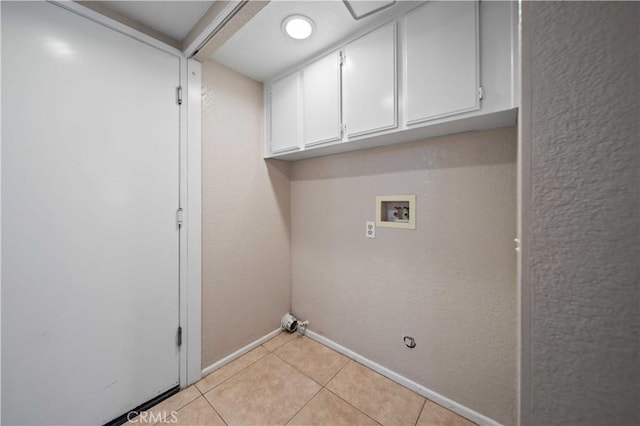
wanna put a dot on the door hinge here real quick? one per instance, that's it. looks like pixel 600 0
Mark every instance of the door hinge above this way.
pixel 480 93
pixel 179 217
pixel 179 95
pixel 343 58
pixel 179 336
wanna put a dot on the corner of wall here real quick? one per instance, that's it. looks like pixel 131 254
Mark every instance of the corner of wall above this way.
pixel 246 218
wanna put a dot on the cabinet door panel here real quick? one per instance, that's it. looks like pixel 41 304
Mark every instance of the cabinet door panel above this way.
pixel 321 100
pixel 370 96
pixel 284 114
pixel 441 60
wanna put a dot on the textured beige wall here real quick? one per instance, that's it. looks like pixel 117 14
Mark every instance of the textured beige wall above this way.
pixel 581 125
pixel 246 256
pixel 451 283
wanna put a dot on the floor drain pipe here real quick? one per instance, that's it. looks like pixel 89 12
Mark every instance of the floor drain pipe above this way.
pixel 290 323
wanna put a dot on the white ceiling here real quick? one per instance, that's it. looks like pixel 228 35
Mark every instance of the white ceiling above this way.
pixel 171 18
pixel 261 50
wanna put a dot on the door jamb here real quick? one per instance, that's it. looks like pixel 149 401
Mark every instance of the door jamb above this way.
pixel 191 282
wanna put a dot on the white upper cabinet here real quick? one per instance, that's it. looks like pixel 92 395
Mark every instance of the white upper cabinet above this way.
pixel 441 60
pixel 369 82
pixel 443 67
pixel 284 114
pixel 321 100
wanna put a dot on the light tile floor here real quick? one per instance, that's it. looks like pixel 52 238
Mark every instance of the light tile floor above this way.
pixel 294 380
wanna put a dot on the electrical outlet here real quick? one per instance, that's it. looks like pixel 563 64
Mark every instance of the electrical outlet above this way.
pixel 370 231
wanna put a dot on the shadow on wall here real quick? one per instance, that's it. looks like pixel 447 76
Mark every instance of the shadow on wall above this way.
pixel 280 175
pixel 452 151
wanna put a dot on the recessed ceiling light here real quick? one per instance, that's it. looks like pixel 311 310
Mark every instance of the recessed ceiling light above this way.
pixel 298 27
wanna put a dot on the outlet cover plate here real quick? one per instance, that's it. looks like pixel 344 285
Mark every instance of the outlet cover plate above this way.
pixel 370 230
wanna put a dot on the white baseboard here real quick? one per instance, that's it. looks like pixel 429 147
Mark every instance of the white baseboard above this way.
pixel 237 354
pixel 467 412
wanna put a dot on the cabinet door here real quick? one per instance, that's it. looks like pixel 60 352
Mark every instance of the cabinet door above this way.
pixel 285 126
pixel 321 100
pixel 369 72
pixel 441 60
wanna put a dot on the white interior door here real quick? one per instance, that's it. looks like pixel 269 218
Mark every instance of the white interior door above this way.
pixel 90 186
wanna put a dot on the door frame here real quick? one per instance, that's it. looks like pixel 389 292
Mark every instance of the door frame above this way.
pixel 190 278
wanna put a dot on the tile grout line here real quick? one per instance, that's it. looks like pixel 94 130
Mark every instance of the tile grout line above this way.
pixel 293 336
pixel 351 405
pixel 360 360
pixel 229 378
pixel 195 385
pixel 189 403
pixel 242 369
pixel 202 394
pixel 349 360
pixel 237 372
pixel 214 409
pixel 339 371
pixel 305 374
pixel 420 412
pixel 293 366
pixel 322 387
pixel 358 409
pixel 298 370
pixel 386 378
pixel 342 368
pixel 275 351
pixel 305 404
pixel 320 384
pixel 375 372
pixel 268 352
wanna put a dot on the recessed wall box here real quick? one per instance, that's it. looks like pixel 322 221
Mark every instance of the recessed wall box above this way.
pixel 396 211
